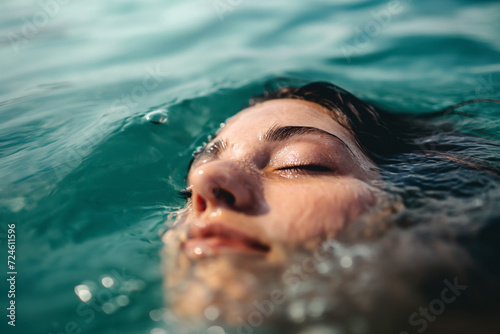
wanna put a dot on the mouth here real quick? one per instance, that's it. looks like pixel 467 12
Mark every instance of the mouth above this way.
pixel 217 238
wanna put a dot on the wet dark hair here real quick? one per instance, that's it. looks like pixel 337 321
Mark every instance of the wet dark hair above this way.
pixel 382 135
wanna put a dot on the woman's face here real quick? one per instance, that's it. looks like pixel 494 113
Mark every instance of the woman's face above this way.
pixel 282 172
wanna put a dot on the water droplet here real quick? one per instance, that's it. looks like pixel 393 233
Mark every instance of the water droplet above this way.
pixel 122 300
pixel 297 311
pixel 323 267
pixel 346 261
pixel 157 116
pixel 108 308
pixel 83 292
pixel 212 312
pixel 156 315
pixel 107 282
pixel 316 307
pixel 216 213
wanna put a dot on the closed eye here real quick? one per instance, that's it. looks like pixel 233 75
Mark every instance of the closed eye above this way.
pixel 305 169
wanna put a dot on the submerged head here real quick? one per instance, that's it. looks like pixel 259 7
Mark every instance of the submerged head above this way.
pixel 281 175
pixel 281 172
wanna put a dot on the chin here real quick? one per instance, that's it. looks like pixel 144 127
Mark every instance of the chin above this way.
pixel 221 288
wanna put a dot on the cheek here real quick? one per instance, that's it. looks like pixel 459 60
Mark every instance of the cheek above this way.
pixel 303 211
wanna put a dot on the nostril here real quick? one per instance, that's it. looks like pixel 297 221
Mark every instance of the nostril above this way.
pixel 230 199
pixel 224 195
pixel 200 203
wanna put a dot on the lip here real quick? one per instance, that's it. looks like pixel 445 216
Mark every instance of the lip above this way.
pixel 217 238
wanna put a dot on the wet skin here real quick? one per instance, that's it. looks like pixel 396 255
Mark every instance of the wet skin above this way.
pixel 281 172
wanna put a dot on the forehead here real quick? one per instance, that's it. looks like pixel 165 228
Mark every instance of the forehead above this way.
pixel 283 112
pixel 245 132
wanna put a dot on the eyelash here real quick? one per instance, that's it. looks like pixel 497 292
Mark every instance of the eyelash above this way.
pixel 185 194
pixel 306 169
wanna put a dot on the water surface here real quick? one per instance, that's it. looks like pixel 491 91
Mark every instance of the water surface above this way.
pixel 89 181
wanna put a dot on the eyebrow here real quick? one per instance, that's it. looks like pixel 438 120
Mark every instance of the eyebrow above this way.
pixel 274 134
pixel 281 133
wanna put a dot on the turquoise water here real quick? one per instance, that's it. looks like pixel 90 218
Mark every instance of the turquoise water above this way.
pixel 89 180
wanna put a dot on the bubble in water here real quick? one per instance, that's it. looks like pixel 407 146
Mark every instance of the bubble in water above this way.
pixel 156 315
pixel 346 261
pixel 83 292
pixel 323 267
pixel 108 308
pixel 122 300
pixel 297 311
pixel 212 312
pixel 158 116
pixel 107 282
pixel 316 307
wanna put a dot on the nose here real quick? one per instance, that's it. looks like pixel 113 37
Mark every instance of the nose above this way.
pixel 224 185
